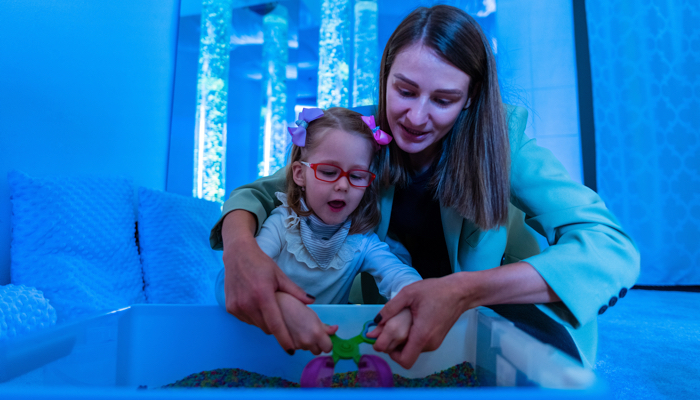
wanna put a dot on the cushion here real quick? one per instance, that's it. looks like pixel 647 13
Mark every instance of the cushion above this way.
pixel 73 239
pixel 23 310
pixel 179 265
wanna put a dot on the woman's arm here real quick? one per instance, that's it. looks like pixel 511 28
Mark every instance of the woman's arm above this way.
pixel 591 259
pixel 437 303
pixel 589 262
pixel 252 277
pixel 258 198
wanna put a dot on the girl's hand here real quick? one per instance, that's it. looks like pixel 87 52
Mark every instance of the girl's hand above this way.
pixel 392 334
pixel 306 329
pixel 252 278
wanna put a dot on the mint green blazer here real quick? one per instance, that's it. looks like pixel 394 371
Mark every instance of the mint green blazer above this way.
pixel 590 263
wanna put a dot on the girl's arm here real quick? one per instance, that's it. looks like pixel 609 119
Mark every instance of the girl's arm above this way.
pixel 306 329
pixel 389 272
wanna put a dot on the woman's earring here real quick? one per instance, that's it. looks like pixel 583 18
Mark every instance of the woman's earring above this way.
pixel 303 189
pixel 469 102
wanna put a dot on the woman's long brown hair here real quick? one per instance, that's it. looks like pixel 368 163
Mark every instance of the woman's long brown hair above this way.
pixel 472 172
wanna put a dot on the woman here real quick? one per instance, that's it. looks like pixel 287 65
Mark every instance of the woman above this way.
pixel 456 180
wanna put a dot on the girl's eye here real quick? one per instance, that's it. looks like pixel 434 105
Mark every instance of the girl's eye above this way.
pixel 328 173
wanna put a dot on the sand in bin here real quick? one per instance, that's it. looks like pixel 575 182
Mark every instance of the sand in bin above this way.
pixel 461 375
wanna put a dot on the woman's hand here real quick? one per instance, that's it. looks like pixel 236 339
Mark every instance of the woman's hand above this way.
pixel 252 278
pixel 437 303
pixel 434 304
pixel 306 329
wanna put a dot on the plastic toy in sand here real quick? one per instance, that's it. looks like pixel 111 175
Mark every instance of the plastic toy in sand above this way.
pixel 372 371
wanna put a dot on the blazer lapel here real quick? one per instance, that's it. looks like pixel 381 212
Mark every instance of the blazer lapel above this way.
pixel 386 199
pixel 451 227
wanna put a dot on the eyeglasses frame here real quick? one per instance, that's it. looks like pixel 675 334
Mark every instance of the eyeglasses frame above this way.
pixel 314 167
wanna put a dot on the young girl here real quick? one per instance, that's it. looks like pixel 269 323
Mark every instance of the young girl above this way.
pixel 322 234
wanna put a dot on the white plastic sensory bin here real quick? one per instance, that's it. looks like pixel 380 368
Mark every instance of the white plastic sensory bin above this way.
pixel 130 353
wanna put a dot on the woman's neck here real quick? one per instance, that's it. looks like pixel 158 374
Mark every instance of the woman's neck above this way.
pixel 421 162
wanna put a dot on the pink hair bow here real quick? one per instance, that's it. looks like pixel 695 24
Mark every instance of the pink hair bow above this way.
pixel 305 116
pixel 379 135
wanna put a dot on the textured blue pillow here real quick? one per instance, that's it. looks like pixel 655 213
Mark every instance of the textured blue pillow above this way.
pixel 179 266
pixel 73 239
pixel 23 310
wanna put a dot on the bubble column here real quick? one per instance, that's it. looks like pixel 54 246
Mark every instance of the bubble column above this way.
pixel 212 94
pixel 365 56
pixel 334 54
pixel 273 135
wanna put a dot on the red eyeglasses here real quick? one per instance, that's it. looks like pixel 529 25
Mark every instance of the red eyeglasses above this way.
pixel 331 173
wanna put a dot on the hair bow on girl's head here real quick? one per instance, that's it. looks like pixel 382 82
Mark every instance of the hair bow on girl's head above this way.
pixel 305 116
pixel 379 135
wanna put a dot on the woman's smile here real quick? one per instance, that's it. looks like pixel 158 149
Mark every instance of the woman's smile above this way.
pixel 416 134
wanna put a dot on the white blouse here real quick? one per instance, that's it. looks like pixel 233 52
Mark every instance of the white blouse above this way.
pixel 280 238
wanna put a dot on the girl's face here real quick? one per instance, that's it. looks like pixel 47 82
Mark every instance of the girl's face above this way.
pixel 333 202
pixel 424 97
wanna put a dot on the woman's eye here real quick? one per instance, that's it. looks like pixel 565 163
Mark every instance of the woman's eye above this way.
pixel 328 173
pixel 443 102
pixel 405 93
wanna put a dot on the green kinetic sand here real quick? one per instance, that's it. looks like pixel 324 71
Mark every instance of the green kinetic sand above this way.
pixel 461 375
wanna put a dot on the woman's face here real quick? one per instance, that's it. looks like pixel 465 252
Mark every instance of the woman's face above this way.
pixel 424 96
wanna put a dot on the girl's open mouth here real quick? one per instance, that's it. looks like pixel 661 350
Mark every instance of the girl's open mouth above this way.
pixel 336 205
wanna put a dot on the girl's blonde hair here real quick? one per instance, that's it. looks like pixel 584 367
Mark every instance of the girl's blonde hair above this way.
pixel 366 216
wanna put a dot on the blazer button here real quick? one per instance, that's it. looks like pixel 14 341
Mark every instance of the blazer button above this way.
pixel 623 292
pixel 602 309
pixel 613 301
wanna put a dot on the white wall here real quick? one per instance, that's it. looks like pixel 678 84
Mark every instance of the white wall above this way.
pixel 85 88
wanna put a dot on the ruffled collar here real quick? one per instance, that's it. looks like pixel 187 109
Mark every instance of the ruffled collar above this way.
pixel 295 243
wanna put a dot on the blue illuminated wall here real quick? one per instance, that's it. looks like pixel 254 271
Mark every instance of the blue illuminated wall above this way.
pixel 85 88
pixel 537 70
pixel 645 66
